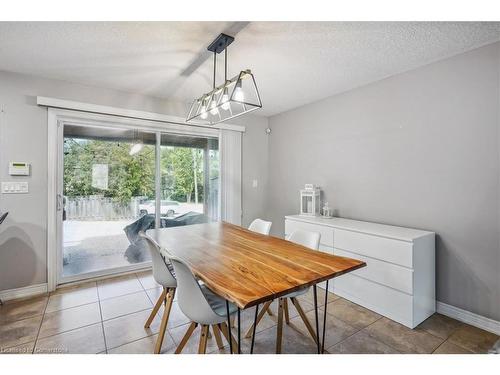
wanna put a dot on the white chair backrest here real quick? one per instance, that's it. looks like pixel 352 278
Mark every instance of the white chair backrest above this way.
pixel 191 300
pixel 161 273
pixel 260 226
pixel 306 238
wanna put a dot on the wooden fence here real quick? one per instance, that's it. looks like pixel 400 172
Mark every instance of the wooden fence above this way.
pixel 100 208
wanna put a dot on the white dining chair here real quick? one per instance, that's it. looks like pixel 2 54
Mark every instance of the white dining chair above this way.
pixel 310 240
pixel 260 226
pixel 164 275
pixel 203 307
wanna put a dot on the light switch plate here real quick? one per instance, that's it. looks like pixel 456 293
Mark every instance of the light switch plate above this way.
pixel 255 183
pixel 15 187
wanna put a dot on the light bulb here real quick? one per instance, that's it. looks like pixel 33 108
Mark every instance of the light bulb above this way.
pixel 225 100
pixel 203 110
pixel 238 93
pixel 135 148
pixel 213 108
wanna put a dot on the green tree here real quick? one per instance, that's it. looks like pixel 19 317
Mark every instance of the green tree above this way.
pixel 181 168
pixel 128 176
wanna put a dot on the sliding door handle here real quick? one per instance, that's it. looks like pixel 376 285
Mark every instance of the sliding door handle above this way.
pixel 59 202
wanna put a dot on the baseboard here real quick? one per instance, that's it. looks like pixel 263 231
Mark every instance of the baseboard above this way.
pixel 468 317
pixel 27 291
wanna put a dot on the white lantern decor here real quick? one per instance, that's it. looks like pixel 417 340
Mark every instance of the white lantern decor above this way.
pixel 310 200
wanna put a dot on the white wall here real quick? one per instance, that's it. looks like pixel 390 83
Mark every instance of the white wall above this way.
pixel 23 137
pixel 420 149
pixel 254 164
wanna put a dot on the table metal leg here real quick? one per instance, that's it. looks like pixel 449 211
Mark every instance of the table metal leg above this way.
pixel 324 319
pixel 229 328
pixel 239 332
pixel 254 327
pixel 315 294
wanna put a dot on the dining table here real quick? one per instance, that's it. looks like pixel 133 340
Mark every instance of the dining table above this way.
pixel 248 268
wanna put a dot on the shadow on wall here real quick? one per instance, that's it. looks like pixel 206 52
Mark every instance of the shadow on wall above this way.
pixel 18 260
pixel 460 278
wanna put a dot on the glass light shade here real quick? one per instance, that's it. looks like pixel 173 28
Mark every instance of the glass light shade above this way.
pixel 234 98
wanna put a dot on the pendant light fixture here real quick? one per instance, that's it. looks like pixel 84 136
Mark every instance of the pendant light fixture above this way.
pixel 235 97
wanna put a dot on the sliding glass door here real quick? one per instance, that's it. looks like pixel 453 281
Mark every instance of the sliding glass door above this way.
pixel 119 181
pixel 189 178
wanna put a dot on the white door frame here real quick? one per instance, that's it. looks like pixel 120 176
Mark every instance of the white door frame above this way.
pixel 56 119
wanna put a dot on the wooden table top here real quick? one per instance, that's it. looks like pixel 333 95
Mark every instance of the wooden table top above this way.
pixel 248 268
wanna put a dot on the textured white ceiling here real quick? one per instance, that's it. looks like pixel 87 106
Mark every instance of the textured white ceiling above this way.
pixel 294 62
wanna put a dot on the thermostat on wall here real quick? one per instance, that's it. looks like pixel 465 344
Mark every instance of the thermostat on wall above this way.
pixel 19 168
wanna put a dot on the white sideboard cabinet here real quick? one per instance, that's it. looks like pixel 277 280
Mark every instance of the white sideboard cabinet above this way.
pixel 398 281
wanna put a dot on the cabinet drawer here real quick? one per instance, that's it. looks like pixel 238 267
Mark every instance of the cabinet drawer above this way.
pixel 386 249
pixel 388 302
pixel 326 232
pixel 388 274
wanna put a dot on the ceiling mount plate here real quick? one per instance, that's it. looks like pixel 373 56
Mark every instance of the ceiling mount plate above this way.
pixel 220 43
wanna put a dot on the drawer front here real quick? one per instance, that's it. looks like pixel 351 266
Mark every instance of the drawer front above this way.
pixel 386 249
pixel 388 274
pixel 326 232
pixel 385 301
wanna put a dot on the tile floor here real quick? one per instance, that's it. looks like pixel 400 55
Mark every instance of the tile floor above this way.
pixel 108 317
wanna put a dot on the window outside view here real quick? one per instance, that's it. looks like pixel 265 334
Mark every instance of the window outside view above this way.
pixel 109 195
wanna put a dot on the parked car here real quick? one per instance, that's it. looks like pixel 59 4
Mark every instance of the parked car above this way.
pixel 167 208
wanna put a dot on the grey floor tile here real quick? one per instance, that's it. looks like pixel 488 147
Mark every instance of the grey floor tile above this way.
pixel 147 280
pixel 119 286
pixel 351 313
pixel 294 342
pixel 401 338
pixel 449 348
pixel 146 345
pixel 72 323
pixel 247 319
pixel 439 325
pixel 86 340
pixel 128 328
pixel 68 288
pixel 124 305
pixel 361 343
pixel 26 348
pixel 73 297
pixel 474 339
pixel 154 294
pixel 69 319
pixel 26 308
pixel 336 329
pixel 19 332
